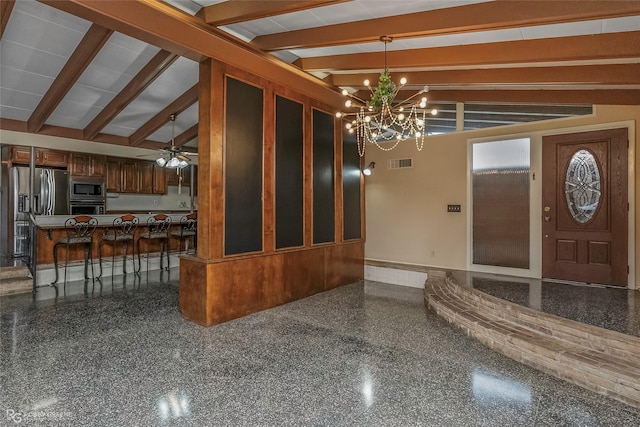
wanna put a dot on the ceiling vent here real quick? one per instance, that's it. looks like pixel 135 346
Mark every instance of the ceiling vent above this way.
pixel 400 163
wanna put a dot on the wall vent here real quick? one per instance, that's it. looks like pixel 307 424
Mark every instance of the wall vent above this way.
pixel 400 163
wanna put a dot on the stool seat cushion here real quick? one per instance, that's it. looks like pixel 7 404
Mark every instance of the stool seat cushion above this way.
pixel 155 235
pixel 117 237
pixel 72 240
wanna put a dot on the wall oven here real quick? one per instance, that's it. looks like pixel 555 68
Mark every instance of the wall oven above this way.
pixel 86 207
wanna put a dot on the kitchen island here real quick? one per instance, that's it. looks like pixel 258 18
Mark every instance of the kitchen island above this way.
pixel 50 229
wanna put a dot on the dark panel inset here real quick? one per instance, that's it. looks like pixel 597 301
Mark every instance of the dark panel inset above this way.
pixel 289 174
pixel 351 186
pixel 567 250
pixel 243 168
pixel 323 190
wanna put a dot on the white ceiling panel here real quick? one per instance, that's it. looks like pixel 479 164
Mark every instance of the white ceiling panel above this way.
pixel 176 80
pixel 78 108
pixel 22 57
pixel 14 113
pixel 184 121
pixel 24 81
pixel 50 15
pixel 19 100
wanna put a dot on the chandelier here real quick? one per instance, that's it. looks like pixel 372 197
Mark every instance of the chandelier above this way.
pixel 383 119
pixel 173 157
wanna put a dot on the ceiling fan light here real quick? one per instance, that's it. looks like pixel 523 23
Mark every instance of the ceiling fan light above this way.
pixel 173 162
pixel 161 161
pixel 183 164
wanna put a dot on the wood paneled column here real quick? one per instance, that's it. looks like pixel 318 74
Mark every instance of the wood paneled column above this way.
pixel 210 160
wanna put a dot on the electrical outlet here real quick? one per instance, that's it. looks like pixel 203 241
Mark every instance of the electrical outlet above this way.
pixel 454 208
pixel 155 202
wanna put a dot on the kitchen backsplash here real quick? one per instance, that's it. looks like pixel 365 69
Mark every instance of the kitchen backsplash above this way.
pixel 172 201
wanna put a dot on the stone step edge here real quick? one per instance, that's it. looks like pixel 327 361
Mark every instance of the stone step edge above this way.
pixel 599 339
pixel 548 354
pixel 13 271
pixel 16 285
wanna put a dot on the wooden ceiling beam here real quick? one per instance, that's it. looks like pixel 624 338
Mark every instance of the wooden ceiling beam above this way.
pixel 492 15
pixel 234 11
pixel 609 74
pixel 161 25
pixel 154 68
pixel 583 97
pixel 557 49
pixel 186 136
pixel 6 6
pixel 181 103
pixel 79 60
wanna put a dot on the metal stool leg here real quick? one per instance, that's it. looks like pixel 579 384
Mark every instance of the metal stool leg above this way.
pixel 55 261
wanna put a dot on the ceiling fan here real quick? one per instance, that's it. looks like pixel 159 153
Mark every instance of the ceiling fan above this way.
pixel 174 157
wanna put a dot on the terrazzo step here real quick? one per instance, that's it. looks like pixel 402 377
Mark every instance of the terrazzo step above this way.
pixel 13 271
pixel 15 285
pixel 597 359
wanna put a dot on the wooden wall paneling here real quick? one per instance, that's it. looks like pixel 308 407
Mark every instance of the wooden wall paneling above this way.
pixel 289 173
pixel 323 177
pixel 344 264
pixel 338 174
pixel 244 136
pixel 210 160
pixel 268 168
pixel 238 286
pixel 351 181
pixel 308 175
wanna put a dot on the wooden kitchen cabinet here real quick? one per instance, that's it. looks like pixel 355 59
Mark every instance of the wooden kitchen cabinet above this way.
pixel 160 183
pixel 129 176
pixel 44 157
pixel 113 175
pixel 87 165
pixel 145 177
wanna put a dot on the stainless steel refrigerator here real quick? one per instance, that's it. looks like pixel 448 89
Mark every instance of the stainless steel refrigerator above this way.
pixel 51 197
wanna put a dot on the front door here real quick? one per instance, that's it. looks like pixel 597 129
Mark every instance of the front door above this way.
pixel 584 207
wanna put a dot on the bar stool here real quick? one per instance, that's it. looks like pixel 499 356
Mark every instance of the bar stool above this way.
pixel 123 231
pixel 188 230
pixel 158 230
pixel 79 232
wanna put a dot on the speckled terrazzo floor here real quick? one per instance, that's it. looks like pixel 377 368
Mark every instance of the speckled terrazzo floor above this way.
pixel 366 354
pixel 607 307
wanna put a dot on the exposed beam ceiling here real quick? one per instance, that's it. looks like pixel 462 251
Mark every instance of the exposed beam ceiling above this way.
pixel 113 71
pixel 183 102
pixel 6 6
pixel 233 11
pixel 476 17
pixel 186 136
pixel 608 74
pixel 142 80
pixel 88 48
pixel 577 48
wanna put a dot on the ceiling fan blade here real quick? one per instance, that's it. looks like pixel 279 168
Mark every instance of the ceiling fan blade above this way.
pixel 188 153
pixel 183 157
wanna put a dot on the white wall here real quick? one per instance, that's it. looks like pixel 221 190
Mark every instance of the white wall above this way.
pixel 406 217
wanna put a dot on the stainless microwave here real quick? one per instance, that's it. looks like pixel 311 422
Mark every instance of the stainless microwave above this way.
pixel 86 189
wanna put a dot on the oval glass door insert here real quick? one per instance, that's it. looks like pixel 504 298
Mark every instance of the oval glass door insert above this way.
pixel 582 186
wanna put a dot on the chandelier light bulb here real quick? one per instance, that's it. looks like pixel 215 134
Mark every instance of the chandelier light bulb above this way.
pixel 423 104
pixel 401 109
pixel 367 119
pixel 374 135
pixel 350 130
pixel 403 81
pixel 345 92
pixel 418 134
pixel 347 103
pixel 348 125
pixel 420 122
pixel 434 112
pixel 367 83
pixel 424 99
pixel 338 114
pixel 400 116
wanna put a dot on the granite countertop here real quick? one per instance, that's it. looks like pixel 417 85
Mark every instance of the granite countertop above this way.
pixel 53 221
